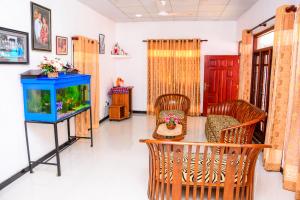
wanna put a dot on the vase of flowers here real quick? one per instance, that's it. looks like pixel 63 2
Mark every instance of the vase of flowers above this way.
pixel 51 67
pixel 171 120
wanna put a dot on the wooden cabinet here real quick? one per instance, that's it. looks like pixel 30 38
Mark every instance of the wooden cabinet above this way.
pixel 121 103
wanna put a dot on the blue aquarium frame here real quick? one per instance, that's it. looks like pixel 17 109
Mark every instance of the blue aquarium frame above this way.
pixel 52 85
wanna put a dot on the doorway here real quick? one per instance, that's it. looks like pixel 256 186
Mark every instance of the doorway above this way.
pixel 221 79
pixel 260 81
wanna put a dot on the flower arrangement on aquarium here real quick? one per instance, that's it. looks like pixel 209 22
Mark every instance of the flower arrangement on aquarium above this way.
pixel 51 67
pixel 171 120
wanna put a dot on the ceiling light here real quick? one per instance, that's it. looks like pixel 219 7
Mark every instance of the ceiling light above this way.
pixel 163 2
pixel 138 15
pixel 163 13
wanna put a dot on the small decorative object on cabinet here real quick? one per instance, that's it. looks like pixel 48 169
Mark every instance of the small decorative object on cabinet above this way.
pixel 121 97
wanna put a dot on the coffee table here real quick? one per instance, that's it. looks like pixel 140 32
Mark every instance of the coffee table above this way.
pixel 161 132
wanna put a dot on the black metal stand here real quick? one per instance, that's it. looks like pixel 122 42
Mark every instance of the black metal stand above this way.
pixel 30 162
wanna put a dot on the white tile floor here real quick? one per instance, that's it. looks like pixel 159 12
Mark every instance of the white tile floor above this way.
pixel 116 168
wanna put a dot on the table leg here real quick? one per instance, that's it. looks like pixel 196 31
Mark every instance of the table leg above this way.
pixel 57 150
pixel 91 127
pixel 28 150
pixel 69 135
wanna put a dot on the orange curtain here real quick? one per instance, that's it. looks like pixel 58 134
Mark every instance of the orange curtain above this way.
pixel 246 66
pixel 86 59
pixel 279 88
pixel 292 134
pixel 174 67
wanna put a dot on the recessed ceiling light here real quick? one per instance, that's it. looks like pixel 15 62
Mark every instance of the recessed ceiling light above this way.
pixel 138 15
pixel 163 13
pixel 163 2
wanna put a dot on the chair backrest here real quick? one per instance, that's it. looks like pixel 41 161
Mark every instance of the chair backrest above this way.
pixel 173 102
pixel 177 170
pixel 240 110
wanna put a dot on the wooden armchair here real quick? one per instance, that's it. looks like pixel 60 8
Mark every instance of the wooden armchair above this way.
pixel 191 170
pixel 176 104
pixel 239 119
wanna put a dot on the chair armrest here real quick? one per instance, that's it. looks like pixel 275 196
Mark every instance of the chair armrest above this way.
pixel 239 134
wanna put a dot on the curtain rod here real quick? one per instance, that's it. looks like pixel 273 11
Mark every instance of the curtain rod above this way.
pixel 291 8
pixel 175 39
pixel 77 38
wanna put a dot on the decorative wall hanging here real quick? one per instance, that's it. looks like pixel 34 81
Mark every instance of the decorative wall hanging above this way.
pixel 41 28
pixel 101 43
pixel 117 50
pixel 61 45
pixel 13 47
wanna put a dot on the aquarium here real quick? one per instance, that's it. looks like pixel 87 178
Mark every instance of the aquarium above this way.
pixel 54 99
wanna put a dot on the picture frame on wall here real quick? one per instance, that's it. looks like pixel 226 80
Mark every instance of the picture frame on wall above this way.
pixel 61 45
pixel 14 46
pixel 41 34
pixel 101 44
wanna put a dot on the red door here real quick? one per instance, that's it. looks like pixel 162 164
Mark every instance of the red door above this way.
pixel 221 79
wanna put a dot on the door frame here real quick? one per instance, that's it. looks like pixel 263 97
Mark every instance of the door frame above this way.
pixel 205 85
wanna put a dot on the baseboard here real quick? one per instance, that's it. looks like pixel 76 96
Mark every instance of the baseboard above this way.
pixel 46 157
pixel 103 119
pixel 139 112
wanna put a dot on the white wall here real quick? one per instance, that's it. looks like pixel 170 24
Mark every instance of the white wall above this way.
pixel 69 17
pixel 221 41
pixel 259 12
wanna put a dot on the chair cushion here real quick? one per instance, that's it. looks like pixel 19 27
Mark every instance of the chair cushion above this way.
pixel 215 177
pixel 178 113
pixel 214 125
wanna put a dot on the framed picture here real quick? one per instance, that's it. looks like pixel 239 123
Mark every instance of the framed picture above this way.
pixel 61 45
pixel 13 47
pixel 101 44
pixel 41 28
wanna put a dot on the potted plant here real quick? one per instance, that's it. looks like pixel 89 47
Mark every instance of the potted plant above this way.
pixel 51 67
pixel 171 120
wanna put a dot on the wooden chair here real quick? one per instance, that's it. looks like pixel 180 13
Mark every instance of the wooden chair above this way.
pixel 177 104
pixel 245 113
pixel 176 170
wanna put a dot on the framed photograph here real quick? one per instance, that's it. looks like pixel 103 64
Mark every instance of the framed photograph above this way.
pixel 61 45
pixel 41 28
pixel 101 44
pixel 13 47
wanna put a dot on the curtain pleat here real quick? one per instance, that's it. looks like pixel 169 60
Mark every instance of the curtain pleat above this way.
pixel 174 67
pixel 292 131
pixel 279 88
pixel 86 59
pixel 246 66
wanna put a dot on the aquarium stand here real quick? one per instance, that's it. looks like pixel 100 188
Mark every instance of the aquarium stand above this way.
pixel 56 150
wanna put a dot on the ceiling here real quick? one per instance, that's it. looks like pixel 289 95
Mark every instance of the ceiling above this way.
pixel 173 10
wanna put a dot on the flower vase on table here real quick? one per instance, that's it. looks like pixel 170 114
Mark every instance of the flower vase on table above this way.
pixel 171 121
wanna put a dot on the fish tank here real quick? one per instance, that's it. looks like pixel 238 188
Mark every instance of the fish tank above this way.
pixel 55 99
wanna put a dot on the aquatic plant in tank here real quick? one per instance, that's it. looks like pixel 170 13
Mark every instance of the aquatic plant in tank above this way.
pixel 71 99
